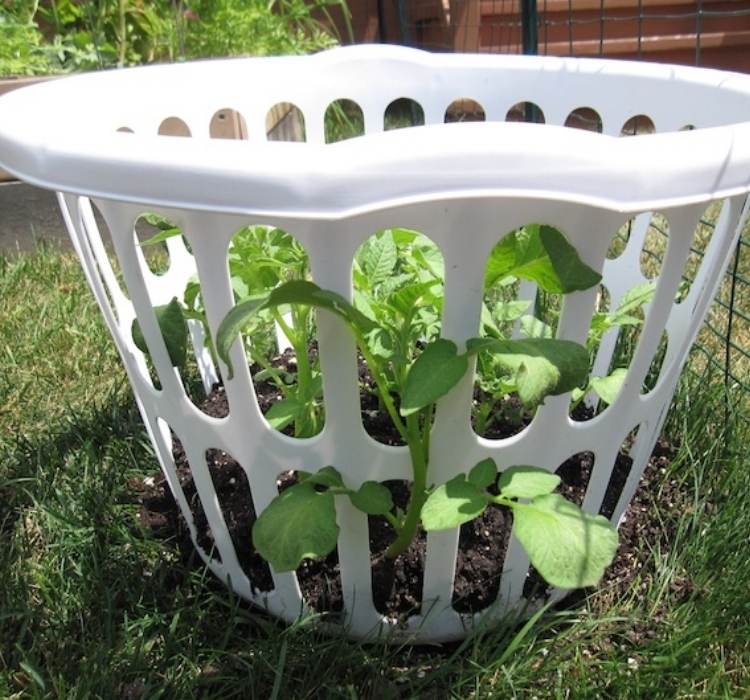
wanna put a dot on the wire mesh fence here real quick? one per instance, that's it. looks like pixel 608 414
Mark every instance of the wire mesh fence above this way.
pixel 700 32
pixel 723 345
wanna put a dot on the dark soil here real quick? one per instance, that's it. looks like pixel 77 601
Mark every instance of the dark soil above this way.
pixel 397 584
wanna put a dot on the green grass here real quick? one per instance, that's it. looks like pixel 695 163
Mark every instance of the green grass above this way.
pixel 92 606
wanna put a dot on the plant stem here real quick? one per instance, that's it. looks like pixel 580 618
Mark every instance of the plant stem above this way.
pixel 418 450
pixel 575 403
pixel 258 359
pixel 381 384
pixel 297 337
pixel 427 430
pixel 123 35
pixel 418 489
pixel 508 502
pixel 393 521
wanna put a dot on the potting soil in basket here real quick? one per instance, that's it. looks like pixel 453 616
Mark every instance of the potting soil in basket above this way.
pixel 397 584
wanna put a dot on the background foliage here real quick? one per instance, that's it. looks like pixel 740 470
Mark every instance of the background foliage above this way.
pixel 51 36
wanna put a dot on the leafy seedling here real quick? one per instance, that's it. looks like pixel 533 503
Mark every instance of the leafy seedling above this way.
pixel 536 368
pixel 300 522
pixel 569 548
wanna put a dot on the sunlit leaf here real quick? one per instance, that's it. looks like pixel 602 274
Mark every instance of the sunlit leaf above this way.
pixel 506 311
pixel 542 366
pixel 293 292
pixel 569 548
pixel 435 372
pixel 532 327
pixel 456 502
pixel 483 473
pixel 300 523
pixel 380 257
pixel 522 481
pixel 609 387
pixel 372 498
pixel 543 255
pixel 284 412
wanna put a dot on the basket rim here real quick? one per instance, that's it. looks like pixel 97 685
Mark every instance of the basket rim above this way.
pixel 379 170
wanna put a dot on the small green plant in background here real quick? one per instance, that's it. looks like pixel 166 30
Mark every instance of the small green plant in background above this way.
pixel 21 50
pixel 628 314
pixel 409 384
pixel 53 36
pixel 258 27
pixel 260 259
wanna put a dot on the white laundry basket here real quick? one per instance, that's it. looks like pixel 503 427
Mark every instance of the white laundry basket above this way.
pixel 463 185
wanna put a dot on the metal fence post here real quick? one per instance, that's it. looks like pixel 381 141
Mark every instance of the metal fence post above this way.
pixel 529 31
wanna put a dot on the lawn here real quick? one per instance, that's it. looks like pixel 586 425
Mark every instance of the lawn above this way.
pixel 94 606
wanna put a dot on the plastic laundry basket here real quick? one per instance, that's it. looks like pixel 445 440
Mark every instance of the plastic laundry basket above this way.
pixel 463 185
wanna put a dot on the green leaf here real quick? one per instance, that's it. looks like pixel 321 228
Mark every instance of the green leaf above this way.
pixel 327 476
pixel 573 274
pixel 609 387
pixel 435 372
pixel 429 257
pixel 237 319
pixel 315 388
pixel 506 311
pixel 532 327
pixel 292 292
pixel 631 303
pixel 380 257
pixel 298 524
pixel 33 672
pixel 522 481
pixel 543 255
pixel 161 236
pixel 600 324
pixel 389 285
pixel 284 413
pixel 173 329
pixel 403 236
pixel 239 287
pixel 372 498
pixel 381 344
pixel 158 221
pixel 406 300
pixel 569 548
pixel 266 374
pixel 635 298
pixel 542 366
pixel 452 504
pixel 362 303
pixel 483 473
pixel 192 291
pixel 488 323
pixel 625 320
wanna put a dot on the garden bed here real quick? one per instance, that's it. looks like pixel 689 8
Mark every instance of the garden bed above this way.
pixel 397 584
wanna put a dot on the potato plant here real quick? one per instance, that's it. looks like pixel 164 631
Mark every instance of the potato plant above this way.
pixel 394 317
pixel 260 258
pixel 569 547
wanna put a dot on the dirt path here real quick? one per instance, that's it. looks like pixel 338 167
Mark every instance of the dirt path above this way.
pixel 28 215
